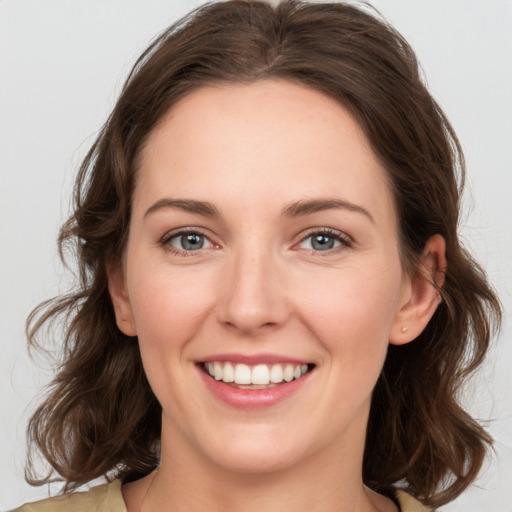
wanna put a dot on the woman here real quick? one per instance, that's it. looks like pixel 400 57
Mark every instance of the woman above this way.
pixel 275 310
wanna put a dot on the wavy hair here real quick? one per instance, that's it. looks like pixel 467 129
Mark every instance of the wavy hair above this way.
pixel 100 416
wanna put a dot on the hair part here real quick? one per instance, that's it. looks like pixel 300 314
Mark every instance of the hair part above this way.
pixel 101 417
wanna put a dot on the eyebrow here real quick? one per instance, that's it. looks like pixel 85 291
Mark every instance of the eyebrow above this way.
pixel 296 209
pixel 308 207
pixel 187 205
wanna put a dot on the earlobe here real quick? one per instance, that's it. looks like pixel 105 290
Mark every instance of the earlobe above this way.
pixel 422 295
pixel 120 299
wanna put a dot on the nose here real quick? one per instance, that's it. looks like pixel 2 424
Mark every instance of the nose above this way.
pixel 253 296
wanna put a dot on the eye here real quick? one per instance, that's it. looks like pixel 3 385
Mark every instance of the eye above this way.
pixel 325 240
pixel 188 241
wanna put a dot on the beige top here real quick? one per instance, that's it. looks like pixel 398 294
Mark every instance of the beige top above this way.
pixel 108 498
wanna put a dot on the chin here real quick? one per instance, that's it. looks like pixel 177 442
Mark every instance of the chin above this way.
pixel 254 453
pixel 256 462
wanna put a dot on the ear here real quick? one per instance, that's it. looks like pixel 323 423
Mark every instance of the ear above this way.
pixel 420 297
pixel 122 307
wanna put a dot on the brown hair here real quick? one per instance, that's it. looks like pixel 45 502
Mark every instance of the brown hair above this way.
pixel 101 416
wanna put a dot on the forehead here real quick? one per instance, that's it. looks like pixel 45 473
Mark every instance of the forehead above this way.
pixel 269 138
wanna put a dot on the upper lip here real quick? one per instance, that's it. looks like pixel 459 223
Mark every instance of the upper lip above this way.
pixel 252 359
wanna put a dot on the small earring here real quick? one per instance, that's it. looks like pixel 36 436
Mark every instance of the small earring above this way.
pixel 403 329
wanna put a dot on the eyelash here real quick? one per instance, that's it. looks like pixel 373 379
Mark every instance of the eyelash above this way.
pixel 344 240
pixel 165 241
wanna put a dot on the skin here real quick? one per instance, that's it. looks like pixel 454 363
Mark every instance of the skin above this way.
pixel 257 286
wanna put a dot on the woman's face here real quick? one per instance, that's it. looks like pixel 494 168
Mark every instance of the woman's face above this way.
pixel 263 247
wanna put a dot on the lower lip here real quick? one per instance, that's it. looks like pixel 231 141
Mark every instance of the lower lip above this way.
pixel 252 398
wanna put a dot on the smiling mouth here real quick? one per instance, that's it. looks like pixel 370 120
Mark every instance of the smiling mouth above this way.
pixel 259 376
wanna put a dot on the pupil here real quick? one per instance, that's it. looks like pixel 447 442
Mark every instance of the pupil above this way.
pixel 323 242
pixel 192 241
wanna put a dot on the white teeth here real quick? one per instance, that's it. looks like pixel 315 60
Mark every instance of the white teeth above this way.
pixel 229 373
pixel 217 371
pixel 276 374
pixel 260 374
pixel 243 374
pixel 288 372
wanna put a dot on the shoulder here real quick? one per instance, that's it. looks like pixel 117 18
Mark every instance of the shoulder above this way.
pixel 102 498
pixel 410 504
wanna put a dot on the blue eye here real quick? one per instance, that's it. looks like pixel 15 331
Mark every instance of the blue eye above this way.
pixel 323 241
pixel 191 241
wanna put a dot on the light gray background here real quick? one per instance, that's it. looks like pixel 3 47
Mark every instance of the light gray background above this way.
pixel 62 64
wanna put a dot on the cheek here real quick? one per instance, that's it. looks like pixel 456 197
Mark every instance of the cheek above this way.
pixel 169 310
pixel 169 306
pixel 351 311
